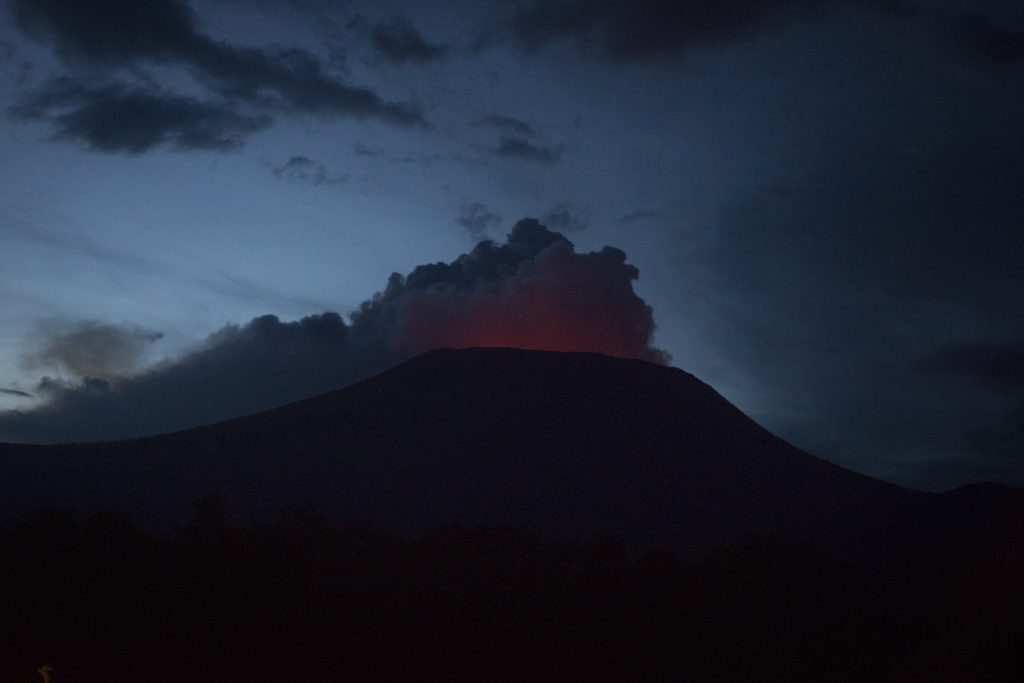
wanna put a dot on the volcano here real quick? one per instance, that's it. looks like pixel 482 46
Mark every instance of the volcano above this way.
pixel 532 515
pixel 564 444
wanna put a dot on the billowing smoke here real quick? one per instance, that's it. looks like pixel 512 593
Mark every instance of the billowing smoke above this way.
pixel 559 300
pixel 91 347
pixel 235 371
pixel 534 291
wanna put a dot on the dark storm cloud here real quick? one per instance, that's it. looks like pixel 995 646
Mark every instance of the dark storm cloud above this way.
pixel 638 29
pixel 113 118
pixel 1003 443
pixel 476 218
pixel 980 37
pixel 898 233
pixel 998 450
pixel 533 291
pixel 399 42
pixel 91 348
pixel 518 148
pixel 510 125
pixel 15 392
pixel 625 30
pixel 316 7
pixel 245 85
pixel 568 217
pixel 306 170
pixel 999 447
pixel 996 366
pixel 111 31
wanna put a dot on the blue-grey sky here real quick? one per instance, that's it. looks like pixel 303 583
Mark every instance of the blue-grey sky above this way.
pixel 821 202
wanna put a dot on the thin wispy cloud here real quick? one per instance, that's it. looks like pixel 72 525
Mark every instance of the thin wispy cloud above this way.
pixel 524 150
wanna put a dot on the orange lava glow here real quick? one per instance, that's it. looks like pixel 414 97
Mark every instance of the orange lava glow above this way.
pixel 567 303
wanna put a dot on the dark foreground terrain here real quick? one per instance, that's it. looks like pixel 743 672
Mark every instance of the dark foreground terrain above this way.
pixel 521 515
pixel 302 598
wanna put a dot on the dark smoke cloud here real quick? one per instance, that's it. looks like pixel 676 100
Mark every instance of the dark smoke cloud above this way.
pixel 633 30
pixel 476 218
pixel 978 37
pixel 533 291
pixel 994 366
pixel 997 370
pixel 92 348
pixel 237 370
pixel 15 392
pixel 245 87
pixel 623 30
pixel 568 217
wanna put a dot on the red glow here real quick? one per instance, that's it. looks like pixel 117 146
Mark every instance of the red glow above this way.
pixel 561 301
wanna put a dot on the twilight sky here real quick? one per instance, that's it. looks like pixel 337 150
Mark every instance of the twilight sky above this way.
pixel 818 204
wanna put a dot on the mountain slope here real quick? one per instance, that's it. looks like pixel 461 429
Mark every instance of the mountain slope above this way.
pixel 564 444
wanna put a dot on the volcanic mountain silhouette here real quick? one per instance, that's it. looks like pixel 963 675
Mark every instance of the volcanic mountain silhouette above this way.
pixel 564 444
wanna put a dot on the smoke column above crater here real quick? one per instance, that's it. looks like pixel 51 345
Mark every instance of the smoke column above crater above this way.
pixel 533 292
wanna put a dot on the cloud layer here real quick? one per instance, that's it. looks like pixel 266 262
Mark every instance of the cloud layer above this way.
pixel 533 291
pixel 992 373
pixel 636 30
pixel 643 29
pixel 103 41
